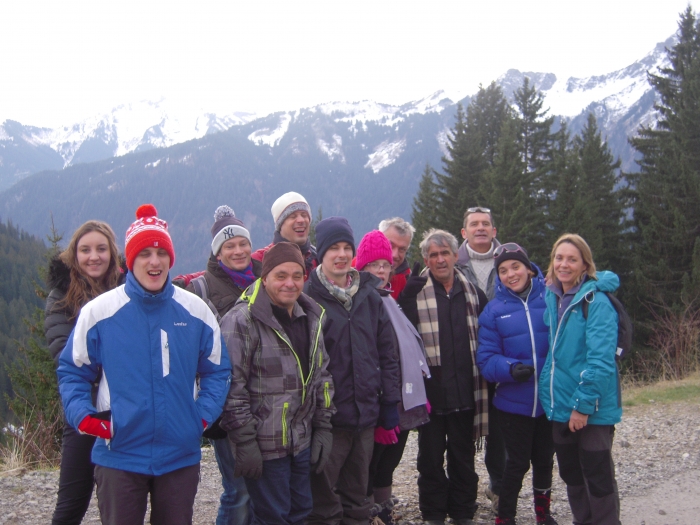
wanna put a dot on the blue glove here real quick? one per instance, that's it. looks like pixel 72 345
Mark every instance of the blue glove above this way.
pixel 388 416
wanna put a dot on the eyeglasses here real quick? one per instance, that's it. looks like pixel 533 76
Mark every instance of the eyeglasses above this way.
pixel 509 247
pixel 377 266
pixel 478 209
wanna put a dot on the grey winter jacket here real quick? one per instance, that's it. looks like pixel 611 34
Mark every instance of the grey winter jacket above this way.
pixel 268 384
pixel 465 266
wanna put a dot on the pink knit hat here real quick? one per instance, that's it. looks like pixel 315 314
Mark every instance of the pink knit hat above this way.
pixel 373 246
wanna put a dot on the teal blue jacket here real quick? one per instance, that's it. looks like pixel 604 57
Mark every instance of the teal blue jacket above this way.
pixel 580 372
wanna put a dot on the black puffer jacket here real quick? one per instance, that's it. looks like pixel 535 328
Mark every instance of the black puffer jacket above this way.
pixel 58 320
pixel 223 292
pixel 361 345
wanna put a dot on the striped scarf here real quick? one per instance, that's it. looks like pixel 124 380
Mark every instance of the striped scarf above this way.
pixel 430 332
pixel 344 295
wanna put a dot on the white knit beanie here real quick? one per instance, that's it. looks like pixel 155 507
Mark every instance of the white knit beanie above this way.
pixel 286 205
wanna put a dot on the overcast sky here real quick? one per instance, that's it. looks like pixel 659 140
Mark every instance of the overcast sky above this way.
pixel 64 61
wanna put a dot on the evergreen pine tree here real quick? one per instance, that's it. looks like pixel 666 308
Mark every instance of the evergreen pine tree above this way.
pixel 600 195
pixel 535 144
pixel 667 215
pixel 463 168
pixel 424 214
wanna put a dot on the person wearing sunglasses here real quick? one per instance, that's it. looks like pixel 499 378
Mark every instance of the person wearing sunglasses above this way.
pixel 477 264
pixel 513 346
pixel 476 252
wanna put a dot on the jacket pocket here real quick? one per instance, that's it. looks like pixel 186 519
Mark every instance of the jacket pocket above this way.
pixel 285 408
pixel 326 394
pixel 165 352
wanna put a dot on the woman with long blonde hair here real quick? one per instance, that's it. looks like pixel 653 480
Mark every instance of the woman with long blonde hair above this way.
pixel 579 387
pixel 88 267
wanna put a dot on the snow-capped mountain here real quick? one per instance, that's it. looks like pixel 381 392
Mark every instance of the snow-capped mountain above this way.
pixel 621 100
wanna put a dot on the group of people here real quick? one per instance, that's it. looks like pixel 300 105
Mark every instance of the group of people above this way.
pixel 308 366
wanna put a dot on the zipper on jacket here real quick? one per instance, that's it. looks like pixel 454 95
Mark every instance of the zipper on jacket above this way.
pixel 554 346
pixel 305 381
pixel 284 424
pixel 534 357
pixel 532 343
pixel 326 394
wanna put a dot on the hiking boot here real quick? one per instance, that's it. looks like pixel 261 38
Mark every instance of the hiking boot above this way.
pixel 463 521
pixel 505 521
pixel 543 500
pixel 490 494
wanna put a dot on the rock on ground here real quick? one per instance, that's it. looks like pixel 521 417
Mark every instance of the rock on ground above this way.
pixel 656 453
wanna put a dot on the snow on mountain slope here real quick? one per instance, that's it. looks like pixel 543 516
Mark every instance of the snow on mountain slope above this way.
pixel 135 126
pixel 156 124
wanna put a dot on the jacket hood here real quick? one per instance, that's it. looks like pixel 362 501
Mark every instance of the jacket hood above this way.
pixel 606 282
pixel 59 274
pixel 260 304
pixel 214 268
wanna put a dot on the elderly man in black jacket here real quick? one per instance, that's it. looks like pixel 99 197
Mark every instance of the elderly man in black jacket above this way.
pixel 444 306
pixel 363 354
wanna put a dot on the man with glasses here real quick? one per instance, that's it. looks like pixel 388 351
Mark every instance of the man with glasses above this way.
pixel 400 234
pixel 477 264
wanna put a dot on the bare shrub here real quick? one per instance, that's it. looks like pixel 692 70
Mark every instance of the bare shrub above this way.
pixel 675 340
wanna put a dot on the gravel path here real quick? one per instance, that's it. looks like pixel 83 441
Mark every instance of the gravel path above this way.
pixel 656 452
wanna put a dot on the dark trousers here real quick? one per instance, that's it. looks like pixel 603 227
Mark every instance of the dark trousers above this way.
pixel 454 493
pixel 385 459
pixel 76 479
pixel 587 468
pixel 340 491
pixel 122 496
pixel 527 439
pixel 495 453
pixel 282 495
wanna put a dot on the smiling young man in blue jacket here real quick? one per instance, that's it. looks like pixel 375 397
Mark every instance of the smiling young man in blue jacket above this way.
pixel 146 342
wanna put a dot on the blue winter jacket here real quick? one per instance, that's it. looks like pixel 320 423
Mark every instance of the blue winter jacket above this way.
pixel 513 331
pixel 580 372
pixel 150 348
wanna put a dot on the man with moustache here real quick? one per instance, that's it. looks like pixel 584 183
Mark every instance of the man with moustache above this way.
pixel 444 306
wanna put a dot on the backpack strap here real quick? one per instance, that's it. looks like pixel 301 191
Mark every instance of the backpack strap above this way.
pixel 201 288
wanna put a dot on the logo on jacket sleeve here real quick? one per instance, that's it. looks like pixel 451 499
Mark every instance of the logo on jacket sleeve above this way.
pixel 180 324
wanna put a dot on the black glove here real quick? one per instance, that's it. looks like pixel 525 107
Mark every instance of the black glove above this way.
pixel 321 445
pixel 215 431
pixel 521 372
pixel 414 284
pixel 388 416
pixel 249 463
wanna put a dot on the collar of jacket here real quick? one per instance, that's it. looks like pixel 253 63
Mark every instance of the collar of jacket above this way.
pixel 504 294
pixel 135 291
pixel 214 268
pixel 403 268
pixel 260 305
pixel 368 282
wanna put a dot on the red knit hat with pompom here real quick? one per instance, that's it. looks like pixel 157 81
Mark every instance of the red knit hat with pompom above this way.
pixel 145 232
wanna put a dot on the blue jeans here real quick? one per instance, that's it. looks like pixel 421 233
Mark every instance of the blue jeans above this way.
pixel 282 496
pixel 233 505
